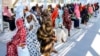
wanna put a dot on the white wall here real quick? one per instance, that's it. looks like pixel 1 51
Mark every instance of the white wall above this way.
pixel 7 3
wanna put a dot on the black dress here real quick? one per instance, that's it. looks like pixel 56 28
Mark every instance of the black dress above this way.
pixel 84 15
pixel 11 22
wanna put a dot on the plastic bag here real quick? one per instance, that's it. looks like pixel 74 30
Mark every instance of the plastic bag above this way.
pixel 23 51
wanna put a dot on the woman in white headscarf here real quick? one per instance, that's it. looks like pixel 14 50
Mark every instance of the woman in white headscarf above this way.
pixel 32 25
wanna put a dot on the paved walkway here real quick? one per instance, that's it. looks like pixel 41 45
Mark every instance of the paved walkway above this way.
pixel 83 43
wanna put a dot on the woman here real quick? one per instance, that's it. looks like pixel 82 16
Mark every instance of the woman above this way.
pixel 67 20
pixel 54 15
pixel 59 20
pixel 59 30
pixel 32 42
pixel 85 16
pixel 46 36
pixel 9 17
pixel 96 5
pixel 50 9
pixel 90 10
pixel 37 12
pixel 77 15
pixel 18 39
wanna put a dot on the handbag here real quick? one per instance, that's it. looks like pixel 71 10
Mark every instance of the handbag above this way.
pixel 23 51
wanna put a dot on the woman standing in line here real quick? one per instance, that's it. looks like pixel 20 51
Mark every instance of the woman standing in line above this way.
pixel 46 35
pixel 77 15
pixel 32 26
pixel 67 20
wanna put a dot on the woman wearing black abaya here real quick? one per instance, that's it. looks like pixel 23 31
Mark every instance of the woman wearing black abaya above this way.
pixel 85 16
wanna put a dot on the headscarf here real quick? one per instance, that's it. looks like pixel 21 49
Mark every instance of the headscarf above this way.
pixel 26 23
pixel 19 11
pixel 19 23
pixel 29 13
pixel 66 16
pixel 6 12
pixel 77 11
pixel 90 10
pixel 54 15
pixel 32 22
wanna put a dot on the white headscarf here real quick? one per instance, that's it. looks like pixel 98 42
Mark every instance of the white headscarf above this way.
pixel 27 14
pixel 26 23
pixel 20 7
pixel 33 22
pixel 19 11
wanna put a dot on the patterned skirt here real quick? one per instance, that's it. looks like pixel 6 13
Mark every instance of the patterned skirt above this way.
pixel 33 44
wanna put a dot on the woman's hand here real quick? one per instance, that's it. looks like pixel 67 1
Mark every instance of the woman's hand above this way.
pixel 54 38
pixel 31 27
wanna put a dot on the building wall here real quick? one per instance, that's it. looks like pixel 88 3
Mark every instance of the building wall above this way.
pixel 7 3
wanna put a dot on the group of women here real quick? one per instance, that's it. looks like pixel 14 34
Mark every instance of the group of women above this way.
pixel 38 28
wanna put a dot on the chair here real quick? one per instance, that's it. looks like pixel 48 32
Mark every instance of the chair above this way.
pixel 5 25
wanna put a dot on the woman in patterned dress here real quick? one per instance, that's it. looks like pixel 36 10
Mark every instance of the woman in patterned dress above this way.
pixel 67 20
pixel 17 40
pixel 32 42
pixel 46 35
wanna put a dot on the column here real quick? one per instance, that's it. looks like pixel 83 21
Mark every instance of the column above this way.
pixel 45 4
pixel 64 1
pixel 1 20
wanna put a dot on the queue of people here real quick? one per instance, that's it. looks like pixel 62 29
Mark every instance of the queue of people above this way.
pixel 40 28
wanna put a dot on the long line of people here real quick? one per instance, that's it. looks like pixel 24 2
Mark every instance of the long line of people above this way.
pixel 40 28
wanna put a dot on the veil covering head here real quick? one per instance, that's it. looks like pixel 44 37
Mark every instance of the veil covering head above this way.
pixel 19 10
pixel 6 11
pixel 30 19
pixel 19 23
